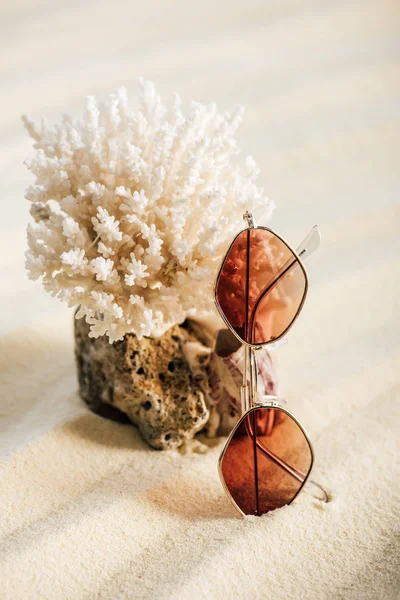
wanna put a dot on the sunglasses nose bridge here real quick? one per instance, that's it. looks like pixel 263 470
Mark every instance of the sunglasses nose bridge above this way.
pixel 267 401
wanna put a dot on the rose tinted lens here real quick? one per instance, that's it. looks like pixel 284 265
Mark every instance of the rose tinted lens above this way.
pixel 261 286
pixel 266 470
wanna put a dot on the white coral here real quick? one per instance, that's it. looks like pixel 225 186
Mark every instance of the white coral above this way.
pixel 133 210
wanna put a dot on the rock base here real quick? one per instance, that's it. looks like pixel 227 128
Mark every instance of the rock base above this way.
pixel 159 384
pixel 171 387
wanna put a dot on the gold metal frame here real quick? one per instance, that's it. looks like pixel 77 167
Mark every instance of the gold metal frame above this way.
pixel 275 406
pixel 296 256
pixel 249 392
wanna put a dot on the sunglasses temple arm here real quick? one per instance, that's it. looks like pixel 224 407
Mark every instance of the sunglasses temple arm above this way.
pixel 323 494
pixel 294 472
pixel 250 385
pixel 307 247
pixel 251 362
pixel 310 244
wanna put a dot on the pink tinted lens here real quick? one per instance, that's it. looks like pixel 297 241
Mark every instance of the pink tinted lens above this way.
pixel 266 461
pixel 261 286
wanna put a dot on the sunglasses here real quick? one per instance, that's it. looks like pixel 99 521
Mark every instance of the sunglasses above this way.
pixel 259 292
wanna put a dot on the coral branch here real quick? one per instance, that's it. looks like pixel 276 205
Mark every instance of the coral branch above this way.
pixel 137 204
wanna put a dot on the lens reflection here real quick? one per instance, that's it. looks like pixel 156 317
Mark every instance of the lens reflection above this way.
pixel 266 462
pixel 261 286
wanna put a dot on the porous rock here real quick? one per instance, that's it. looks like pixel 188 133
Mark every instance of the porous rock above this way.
pixel 158 384
pixel 171 387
